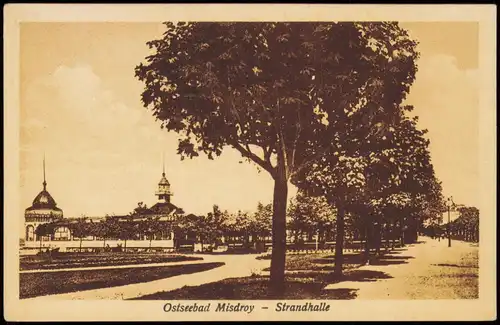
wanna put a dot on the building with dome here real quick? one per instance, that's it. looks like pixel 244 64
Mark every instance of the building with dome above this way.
pixel 43 210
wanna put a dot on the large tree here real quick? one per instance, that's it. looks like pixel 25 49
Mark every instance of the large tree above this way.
pixel 279 93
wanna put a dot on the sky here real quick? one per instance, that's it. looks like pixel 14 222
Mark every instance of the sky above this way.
pixel 81 108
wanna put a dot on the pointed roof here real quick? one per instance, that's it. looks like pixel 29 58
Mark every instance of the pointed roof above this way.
pixel 44 200
pixel 163 208
pixel 163 180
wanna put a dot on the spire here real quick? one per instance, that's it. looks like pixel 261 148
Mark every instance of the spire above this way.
pixel 163 174
pixel 163 191
pixel 44 182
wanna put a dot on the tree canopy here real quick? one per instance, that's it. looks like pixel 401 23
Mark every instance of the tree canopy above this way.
pixel 278 86
pixel 283 94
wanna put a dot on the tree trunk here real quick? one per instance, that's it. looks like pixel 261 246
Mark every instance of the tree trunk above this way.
pixel 393 235
pixel 125 246
pixel 339 242
pixel 277 278
pixel 386 238
pixel 81 239
pixel 401 233
pixel 150 240
pixel 378 239
pixel 367 244
pixel 104 244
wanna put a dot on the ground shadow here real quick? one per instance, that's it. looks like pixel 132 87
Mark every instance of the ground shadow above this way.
pixel 387 262
pixel 395 257
pixel 390 260
pixel 456 265
pixel 363 276
pixel 397 252
pixel 347 259
pixel 386 258
pixel 252 288
pixel 340 294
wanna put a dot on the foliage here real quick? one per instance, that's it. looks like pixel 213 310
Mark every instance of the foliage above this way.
pixel 282 94
pixel 80 228
pixel 313 215
pixel 466 226
pixel 45 229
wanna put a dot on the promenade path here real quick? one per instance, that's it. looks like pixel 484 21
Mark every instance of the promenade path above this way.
pixel 235 266
pixel 426 270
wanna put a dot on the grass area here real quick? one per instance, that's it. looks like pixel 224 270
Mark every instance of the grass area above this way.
pixel 254 287
pixel 303 285
pixel 308 282
pixel 458 280
pixel 317 262
pixel 73 260
pixel 45 283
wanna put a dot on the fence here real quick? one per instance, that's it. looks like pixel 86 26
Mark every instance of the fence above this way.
pixel 101 245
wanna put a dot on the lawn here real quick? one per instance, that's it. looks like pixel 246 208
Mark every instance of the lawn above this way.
pixel 254 287
pixel 311 274
pixel 318 262
pixel 45 283
pixel 73 260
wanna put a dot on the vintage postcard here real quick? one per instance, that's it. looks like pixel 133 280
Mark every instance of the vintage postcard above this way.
pixel 249 162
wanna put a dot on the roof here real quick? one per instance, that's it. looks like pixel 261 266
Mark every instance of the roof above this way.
pixel 44 201
pixel 163 208
pixel 163 180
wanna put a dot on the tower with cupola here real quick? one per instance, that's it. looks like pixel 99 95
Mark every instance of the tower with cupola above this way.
pixel 164 193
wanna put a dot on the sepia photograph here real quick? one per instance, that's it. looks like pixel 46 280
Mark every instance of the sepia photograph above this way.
pixel 252 166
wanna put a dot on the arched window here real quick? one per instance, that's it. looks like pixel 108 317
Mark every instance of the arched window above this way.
pixel 30 233
pixel 62 233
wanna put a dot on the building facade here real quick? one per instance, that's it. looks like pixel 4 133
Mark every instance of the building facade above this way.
pixel 44 210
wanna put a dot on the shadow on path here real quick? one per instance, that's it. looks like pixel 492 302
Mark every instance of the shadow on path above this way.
pixel 251 288
pixel 390 260
pixel 456 265
pixel 364 276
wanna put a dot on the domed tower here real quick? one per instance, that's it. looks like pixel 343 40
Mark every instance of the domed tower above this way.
pixel 43 210
pixel 163 191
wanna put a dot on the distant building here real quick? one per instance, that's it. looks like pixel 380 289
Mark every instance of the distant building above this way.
pixel 44 210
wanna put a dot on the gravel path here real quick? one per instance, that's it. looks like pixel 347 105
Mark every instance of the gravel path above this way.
pixel 428 270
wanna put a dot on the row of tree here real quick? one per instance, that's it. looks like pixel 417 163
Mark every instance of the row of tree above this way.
pixel 466 226
pixel 123 228
pixel 205 229
pixel 317 104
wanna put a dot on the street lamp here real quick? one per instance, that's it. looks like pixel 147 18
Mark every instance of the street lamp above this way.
pixel 449 204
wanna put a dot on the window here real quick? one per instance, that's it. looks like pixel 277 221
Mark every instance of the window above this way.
pixel 30 233
pixel 62 233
